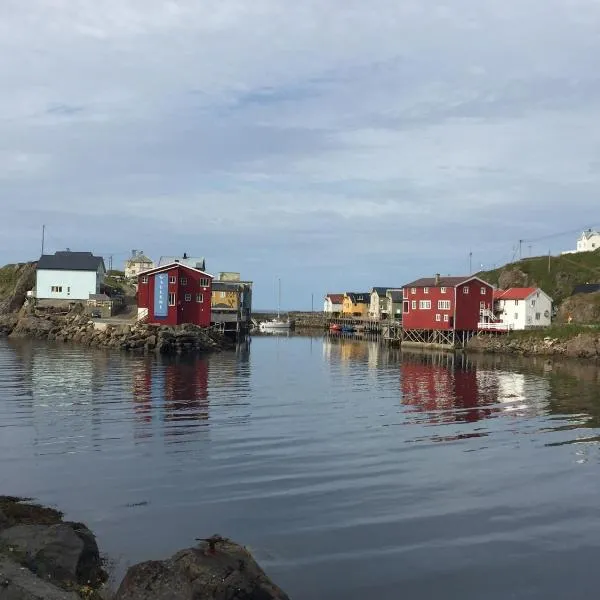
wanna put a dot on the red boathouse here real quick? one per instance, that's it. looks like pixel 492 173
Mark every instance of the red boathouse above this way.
pixel 445 310
pixel 175 294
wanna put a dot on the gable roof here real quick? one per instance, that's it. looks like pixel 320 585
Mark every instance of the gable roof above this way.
pixel 359 297
pixel 194 262
pixel 443 281
pixel 514 293
pixel 140 258
pixel 381 291
pixel 588 234
pixel 70 261
pixel 586 288
pixel 335 298
pixel 395 295
pixel 168 267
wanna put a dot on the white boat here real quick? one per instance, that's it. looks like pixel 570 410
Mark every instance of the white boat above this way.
pixel 277 324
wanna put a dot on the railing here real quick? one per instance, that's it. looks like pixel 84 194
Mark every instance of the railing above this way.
pixel 142 315
pixel 495 326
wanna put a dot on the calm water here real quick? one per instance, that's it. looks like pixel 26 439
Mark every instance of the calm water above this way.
pixel 350 470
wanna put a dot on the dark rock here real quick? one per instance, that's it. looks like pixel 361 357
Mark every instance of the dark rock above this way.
pixel 227 573
pixel 18 583
pixel 19 511
pixel 66 552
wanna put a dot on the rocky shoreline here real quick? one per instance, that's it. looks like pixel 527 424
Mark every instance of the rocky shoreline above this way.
pixel 578 345
pixel 43 557
pixel 137 337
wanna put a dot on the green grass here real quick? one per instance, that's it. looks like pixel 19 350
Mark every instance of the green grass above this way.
pixel 556 332
pixel 557 276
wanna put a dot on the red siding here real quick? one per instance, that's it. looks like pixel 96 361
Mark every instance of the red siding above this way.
pixel 464 311
pixel 187 281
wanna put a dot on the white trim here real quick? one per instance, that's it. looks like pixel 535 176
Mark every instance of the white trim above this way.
pixel 170 266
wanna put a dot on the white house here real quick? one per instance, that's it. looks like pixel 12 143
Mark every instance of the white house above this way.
pixel 137 263
pixel 333 304
pixel 379 306
pixel 523 308
pixel 588 241
pixel 69 276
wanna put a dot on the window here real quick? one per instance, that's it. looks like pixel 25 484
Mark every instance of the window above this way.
pixel 516 316
pixel 144 278
pixel 426 290
pixel 57 289
pixel 482 304
pixel 204 282
pixel 223 294
pixel 443 290
pixel 516 303
pixel 413 290
pixel 533 303
pixel 188 297
pixel 438 317
pixel 466 289
pixel 183 280
pixel 414 304
pixel 404 293
pixel 445 318
pixel 424 304
pixel 172 299
pixel 538 316
pixel 172 279
pixel 199 297
pixel 443 304
pixel 483 291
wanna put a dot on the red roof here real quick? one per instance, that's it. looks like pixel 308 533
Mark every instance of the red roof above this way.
pixel 514 293
pixel 336 298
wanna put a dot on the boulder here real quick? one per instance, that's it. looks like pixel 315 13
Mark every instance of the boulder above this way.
pixel 66 552
pixel 18 583
pixel 211 571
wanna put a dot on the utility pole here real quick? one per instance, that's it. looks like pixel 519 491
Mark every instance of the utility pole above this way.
pixel 470 262
pixel 312 302
pixel 520 249
pixel 43 237
pixel 549 259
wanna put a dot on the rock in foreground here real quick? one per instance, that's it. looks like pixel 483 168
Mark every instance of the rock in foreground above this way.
pixel 227 572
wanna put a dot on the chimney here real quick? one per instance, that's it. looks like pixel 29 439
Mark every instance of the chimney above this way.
pixel 437 279
pixel 185 255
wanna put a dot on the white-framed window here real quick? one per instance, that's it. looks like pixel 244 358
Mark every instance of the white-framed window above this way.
pixel 466 289
pixel 183 280
pixel 414 305
pixel 443 290
pixel 516 316
pixel 426 290
pixel 533 303
pixel 204 282
pixel 188 297
pixel 413 291
pixel 57 289
pixel 516 303
pixel 445 318
pixel 172 299
pixel 443 304
pixel 223 294
pixel 438 317
pixel 404 293
pixel 482 304
pixel 483 291
pixel 199 297
pixel 538 316
pixel 172 279
pixel 424 304
pixel 144 278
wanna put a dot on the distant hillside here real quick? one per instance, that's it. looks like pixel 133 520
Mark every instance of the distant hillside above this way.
pixel 557 276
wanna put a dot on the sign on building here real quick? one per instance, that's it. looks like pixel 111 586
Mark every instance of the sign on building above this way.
pixel 161 295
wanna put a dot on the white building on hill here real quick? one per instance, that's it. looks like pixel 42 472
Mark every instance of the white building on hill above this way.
pixel 588 241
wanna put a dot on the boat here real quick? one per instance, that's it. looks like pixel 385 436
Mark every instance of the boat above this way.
pixel 348 329
pixel 277 324
pixel 335 327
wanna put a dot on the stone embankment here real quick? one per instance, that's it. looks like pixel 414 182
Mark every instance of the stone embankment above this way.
pixel 579 345
pixel 43 557
pixel 138 337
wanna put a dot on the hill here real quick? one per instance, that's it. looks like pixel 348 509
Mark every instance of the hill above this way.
pixel 556 275
pixel 15 281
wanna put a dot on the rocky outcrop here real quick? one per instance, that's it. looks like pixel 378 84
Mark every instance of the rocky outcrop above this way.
pixel 15 282
pixel 222 570
pixel 136 337
pixel 582 309
pixel 41 556
pixel 579 345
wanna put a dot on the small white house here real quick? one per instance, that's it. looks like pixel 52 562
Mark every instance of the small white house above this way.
pixel 69 276
pixel 333 304
pixel 379 306
pixel 137 263
pixel 523 308
pixel 588 241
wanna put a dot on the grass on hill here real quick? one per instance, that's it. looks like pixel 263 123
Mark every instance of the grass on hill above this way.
pixel 557 275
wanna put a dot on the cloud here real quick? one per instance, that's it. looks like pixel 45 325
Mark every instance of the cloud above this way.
pixel 338 143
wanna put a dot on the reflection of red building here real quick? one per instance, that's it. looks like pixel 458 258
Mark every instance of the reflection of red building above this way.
pixel 430 387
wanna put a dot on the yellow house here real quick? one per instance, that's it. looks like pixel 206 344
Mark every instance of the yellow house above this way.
pixel 225 296
pixel 356 304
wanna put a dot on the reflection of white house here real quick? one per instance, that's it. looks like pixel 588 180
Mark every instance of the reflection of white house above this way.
pixel 523 394
pixel 522 308
pixel 588 242
pixel 333 304
pixel 137 263
pixel 69 275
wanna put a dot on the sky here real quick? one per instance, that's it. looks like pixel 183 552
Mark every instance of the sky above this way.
pixel 335 145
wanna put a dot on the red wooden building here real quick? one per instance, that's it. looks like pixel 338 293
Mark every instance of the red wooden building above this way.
pixel 175 294
pixel 445 309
